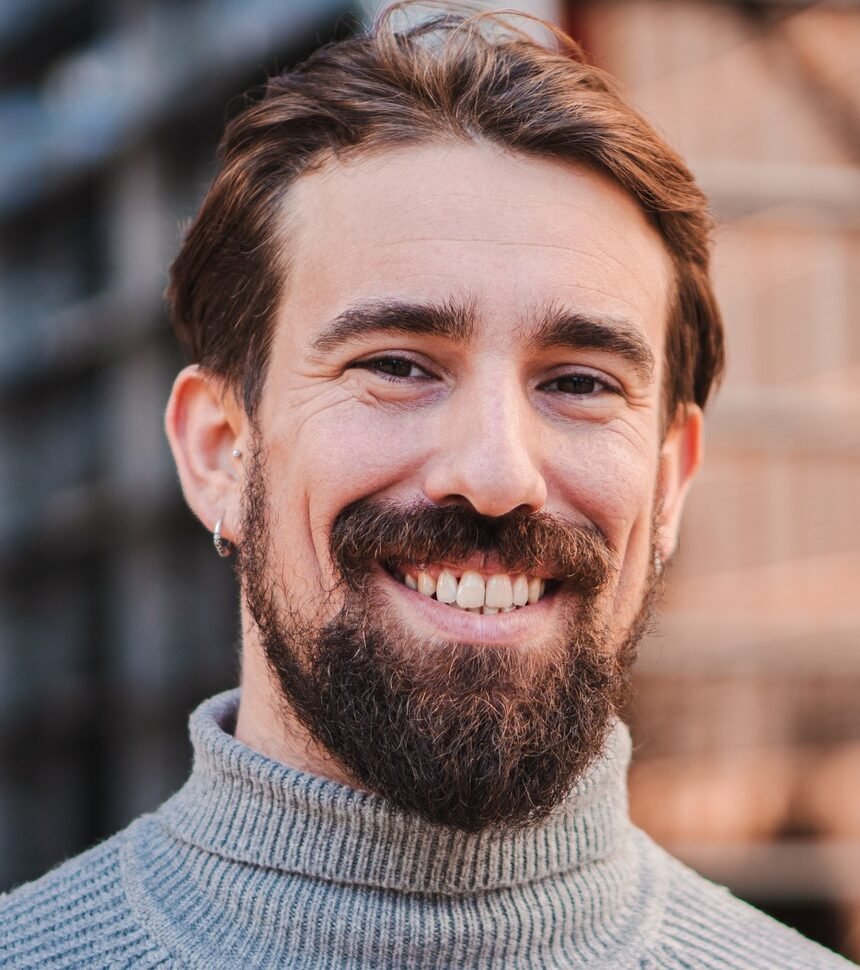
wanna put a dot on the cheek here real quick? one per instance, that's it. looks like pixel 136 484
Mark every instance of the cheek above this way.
pixel 611 481
pixel 333 459
pixel 608 480
pixel 614 488
pixel 362 451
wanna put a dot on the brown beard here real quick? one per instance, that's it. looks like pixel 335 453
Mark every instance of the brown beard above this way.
pixel 466 735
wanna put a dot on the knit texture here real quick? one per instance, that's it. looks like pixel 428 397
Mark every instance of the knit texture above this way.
pixel 253 864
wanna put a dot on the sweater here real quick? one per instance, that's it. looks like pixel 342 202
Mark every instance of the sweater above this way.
pixel 254 864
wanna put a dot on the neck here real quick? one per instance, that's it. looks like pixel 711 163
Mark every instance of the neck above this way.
pixel 266 724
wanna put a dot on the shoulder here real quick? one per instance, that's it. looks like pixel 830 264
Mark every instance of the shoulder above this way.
pixel 705 926
pixel 77 915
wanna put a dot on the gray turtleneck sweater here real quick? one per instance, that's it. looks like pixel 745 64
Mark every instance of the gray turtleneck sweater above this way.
pixel 253 864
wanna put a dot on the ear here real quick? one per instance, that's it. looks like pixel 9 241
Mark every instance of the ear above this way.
pixel 680 456
pixel 204 425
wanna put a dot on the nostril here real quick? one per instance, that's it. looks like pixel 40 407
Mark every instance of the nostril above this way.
pixel 460 500
pixel 488 508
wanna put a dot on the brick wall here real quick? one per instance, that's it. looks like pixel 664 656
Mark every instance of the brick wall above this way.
pixel 746 716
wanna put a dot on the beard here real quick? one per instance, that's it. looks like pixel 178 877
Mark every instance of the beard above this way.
pixel 471 736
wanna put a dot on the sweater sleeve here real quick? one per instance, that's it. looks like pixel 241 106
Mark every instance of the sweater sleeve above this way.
pixel 77 916
pixel 707 928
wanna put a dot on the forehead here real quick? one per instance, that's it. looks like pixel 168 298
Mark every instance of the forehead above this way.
pixel 438 222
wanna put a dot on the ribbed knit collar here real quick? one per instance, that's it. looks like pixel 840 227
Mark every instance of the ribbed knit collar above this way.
pixel 247 808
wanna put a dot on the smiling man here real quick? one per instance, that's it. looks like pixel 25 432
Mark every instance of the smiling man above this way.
pixel 451 326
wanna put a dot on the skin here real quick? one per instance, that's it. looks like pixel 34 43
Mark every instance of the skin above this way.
pixel 486 421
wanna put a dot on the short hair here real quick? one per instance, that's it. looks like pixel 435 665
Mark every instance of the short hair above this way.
pixel 457 75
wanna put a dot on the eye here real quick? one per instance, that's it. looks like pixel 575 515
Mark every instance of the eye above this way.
pixel 394 368
pixel 580 385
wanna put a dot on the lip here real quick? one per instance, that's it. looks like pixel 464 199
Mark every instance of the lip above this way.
pixel 433 619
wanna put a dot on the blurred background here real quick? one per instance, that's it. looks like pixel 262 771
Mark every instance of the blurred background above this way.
pixel 116 617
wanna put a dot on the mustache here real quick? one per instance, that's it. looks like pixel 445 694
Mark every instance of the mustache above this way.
pixel 368 531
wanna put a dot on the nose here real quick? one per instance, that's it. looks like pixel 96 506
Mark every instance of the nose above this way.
pixel 486 452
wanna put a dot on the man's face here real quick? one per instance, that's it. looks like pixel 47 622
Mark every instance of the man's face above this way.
pixel 469 346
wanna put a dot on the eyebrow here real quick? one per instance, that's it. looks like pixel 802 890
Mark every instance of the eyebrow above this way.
pixel 451 320
pixel 456 321
pixel 558 327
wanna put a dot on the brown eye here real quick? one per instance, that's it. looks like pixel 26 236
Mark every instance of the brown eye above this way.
pixel 395 369
pixel 581 385
pixel 393 366
pixel 578 384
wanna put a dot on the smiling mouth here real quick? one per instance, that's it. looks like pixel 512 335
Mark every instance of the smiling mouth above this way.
pixel 472 590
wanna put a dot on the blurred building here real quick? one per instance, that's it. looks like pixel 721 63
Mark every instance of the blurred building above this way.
pixel 115 616
pixel 746 722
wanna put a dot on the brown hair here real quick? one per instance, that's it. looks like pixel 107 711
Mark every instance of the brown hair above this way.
pixel 457 75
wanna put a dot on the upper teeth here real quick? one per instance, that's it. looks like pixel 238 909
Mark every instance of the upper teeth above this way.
pixel 490 594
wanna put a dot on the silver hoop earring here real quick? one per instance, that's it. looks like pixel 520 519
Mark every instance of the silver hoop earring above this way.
pixel 223 546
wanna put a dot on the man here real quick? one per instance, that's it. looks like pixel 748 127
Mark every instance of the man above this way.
pixel 451 326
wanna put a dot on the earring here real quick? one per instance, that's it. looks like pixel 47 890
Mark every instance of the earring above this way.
pixel 237 453
pixel 224 547
pixel 659 565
